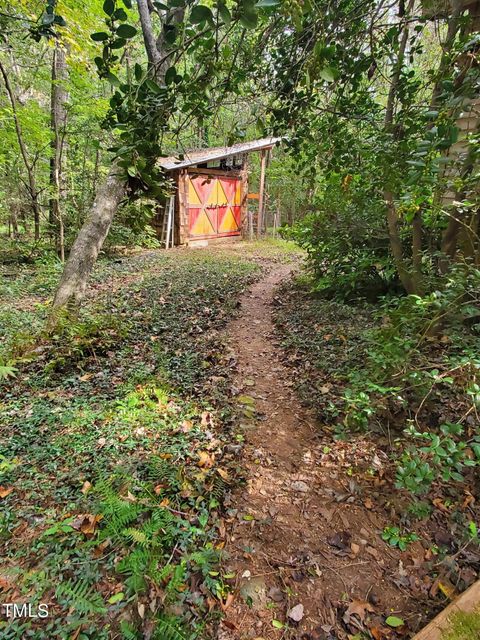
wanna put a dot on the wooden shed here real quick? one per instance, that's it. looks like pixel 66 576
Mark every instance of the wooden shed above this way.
pixel 211 194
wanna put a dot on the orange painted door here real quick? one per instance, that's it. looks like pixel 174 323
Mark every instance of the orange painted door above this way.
pixel 214 206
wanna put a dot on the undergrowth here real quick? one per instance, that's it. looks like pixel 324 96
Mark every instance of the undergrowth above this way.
pixel 113 467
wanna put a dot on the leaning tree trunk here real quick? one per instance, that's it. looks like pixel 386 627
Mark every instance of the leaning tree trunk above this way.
pixel 91 236
pixel 88 243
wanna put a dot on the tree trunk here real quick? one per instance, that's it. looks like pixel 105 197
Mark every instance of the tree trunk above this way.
pixel 91 236
pixel 32 186
pixel 153 54
pixel 58 110
pixel 392 217
pixel 88 243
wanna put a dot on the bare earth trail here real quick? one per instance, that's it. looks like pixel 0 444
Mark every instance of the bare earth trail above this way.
pixel 279 535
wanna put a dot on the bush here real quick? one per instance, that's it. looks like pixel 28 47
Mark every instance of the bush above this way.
pixel 347 243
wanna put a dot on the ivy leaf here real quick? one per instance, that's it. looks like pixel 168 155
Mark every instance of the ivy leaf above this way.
pixel 100 36
pixel 126 31
pixel 393 621
pixel 109 7
pixel 200 13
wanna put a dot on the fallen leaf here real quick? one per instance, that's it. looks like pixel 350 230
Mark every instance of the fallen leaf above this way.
pixel 368 503
pixel 359 608
pixel 229 625
pixel 296 613
pixel 394 622
pixel 277 624
pixel 86 523
pixel 86 487
pixel 101 442
pixel 141 610
pixel 5 491
pixel 341 540
pixel 355 548
pixel 437 502
pixel 205 459
pixel 86 377
pixel 207 420
pixel 447 588
pixel 223 474
pixel 376 633
pixel 228 602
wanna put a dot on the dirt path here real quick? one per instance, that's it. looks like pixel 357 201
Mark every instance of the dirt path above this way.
pixel 278 465
pixel 301 554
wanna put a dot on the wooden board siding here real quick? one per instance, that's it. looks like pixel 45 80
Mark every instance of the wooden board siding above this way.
pixel 467 123
pixel 468 602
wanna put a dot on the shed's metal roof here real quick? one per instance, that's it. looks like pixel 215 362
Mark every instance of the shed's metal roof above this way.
pixel 200 156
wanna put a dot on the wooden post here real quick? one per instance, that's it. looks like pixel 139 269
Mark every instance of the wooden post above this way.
pixel 263 164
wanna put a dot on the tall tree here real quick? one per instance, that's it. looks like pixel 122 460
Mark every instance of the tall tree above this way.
pixel 59 97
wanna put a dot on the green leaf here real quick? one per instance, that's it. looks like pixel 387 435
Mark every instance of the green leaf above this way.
pixel 170 75
pixel 112 78
pixel 132 171
pixel 224 14
pixel 128 3
pixel 393 621
pixel 120 14
pixel 117 597
pixel 47 18
pixel 200 13
pixel 277 624
pixel 126 31
pixel 109 7
pixel 138 72
pixel 328 74
pixel 249 19
pixel 118 43
pixel 153 86
pixel 161 6
pixel 100 36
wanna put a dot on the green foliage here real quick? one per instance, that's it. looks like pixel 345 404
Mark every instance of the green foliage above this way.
pixel 443 457
pixel 396 538
pixel 346 242
pixel 79 596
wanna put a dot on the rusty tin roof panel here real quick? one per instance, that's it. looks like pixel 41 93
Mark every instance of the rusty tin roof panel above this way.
pixel 201 156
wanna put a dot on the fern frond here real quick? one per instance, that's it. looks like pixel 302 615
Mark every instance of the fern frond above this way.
pixel 81 596
pixel 128 631
pixel 168 629
pixel 136 535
